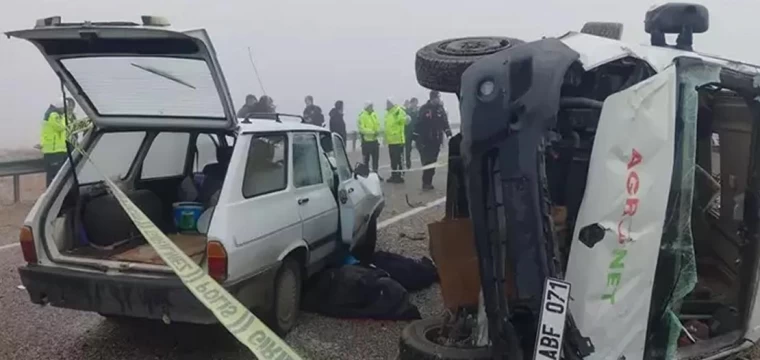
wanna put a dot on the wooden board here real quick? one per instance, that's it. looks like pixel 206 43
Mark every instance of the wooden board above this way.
pixel 194 245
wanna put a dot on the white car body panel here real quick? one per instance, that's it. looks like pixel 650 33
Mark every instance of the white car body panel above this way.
pixel 632 160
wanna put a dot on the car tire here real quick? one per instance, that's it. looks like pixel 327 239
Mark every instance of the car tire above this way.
pixel 610 30
pixel 440 65
pixel 365 247
pixel 286 302
pixel 415 344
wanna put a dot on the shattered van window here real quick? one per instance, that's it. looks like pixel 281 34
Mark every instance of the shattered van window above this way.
pixel 147 86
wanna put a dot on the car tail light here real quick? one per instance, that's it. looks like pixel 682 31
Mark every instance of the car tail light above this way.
pixel 26 240
pixel 216 258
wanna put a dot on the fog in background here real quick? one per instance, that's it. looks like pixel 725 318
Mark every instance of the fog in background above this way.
pixel 352 50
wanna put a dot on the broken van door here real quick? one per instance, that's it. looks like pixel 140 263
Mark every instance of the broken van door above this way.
pixel 620 223
pixel 130 76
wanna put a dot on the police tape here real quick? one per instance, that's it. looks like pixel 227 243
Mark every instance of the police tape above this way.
pixel 422 168
pixel 238 320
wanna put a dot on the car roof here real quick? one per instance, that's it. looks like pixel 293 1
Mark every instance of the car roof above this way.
pixel 269 125
pixel 596 51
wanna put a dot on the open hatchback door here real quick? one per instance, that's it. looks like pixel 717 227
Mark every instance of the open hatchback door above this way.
pixel 127 76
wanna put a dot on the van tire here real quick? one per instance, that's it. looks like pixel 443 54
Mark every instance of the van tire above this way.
pixel 415 344
pixel 610 30
pixel 286 302
pixel 440 65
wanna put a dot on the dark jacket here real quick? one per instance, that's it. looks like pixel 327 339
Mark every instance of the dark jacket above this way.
pixel 337 124
pixel 414 114
pixel 431 125
pixel 245 110
pixel 312 114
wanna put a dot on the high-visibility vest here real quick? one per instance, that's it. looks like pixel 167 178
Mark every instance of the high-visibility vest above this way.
pixel 53 135
pixel 369 126
pixel 395 126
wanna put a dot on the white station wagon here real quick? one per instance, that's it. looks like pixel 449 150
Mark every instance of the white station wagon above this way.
pixel 259 203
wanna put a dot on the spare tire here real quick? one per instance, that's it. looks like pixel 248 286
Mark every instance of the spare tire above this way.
pixel 417 344
pixel 440 65
pixel 610 30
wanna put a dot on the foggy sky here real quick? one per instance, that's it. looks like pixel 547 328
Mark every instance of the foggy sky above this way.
pixel 350 50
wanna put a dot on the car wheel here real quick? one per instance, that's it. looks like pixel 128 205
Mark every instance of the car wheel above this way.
pixel 364 248
pixel 418 343
pixel 287 297
pixel 440 65
pixel 610 30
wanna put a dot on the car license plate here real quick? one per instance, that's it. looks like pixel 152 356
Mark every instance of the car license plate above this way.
pixel 552 326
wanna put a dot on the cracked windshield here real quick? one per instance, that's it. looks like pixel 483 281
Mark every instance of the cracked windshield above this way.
pixel 391 180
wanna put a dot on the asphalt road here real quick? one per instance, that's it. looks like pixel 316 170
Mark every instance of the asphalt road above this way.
pixel 30 331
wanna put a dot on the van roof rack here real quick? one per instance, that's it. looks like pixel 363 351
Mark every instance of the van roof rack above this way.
pixel 269 116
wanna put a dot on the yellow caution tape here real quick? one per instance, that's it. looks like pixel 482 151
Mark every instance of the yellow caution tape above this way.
pixel 246 327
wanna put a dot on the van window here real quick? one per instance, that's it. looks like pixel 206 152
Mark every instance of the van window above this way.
pixel 307 169
pixel 341 159
pixel 166 156
pixel 266 169
pixel 113 153
pixel 206 145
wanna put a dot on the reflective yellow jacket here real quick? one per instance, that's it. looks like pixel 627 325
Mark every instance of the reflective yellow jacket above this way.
pixel 53 135
pixel 369 126
pixel 395 126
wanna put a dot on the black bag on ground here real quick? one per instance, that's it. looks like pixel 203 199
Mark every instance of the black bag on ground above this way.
pixel 413 275
pixel 358 292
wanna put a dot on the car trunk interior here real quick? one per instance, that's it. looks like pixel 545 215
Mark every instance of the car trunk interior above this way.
pixel 92 224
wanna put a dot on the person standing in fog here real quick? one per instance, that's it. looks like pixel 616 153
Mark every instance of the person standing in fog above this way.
pixel 265 108
pixel 54 135
pixel 395 128
pixel 369 130
pixel 431 126
pixel 248 107
pixel 337 124
pixel 312 114
pixel 412 113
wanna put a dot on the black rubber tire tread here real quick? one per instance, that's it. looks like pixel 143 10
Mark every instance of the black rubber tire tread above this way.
pixel 610 30
pixel 438 70
pixel 415 346
pixel 289 263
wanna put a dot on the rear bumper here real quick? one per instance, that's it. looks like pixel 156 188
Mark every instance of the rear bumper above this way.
pixel 134 296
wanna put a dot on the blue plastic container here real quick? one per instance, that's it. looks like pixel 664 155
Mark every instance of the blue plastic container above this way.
pixel 186 215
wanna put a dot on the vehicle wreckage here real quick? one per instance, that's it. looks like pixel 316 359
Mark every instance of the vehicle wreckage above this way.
pixel 623 175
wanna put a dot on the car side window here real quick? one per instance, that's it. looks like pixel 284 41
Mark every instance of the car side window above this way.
pixel 206 145
pixel 166 156
pixel 266 169
pixel 341 158
pixel 307 169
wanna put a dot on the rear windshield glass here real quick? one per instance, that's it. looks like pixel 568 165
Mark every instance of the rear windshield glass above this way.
pixel 147 86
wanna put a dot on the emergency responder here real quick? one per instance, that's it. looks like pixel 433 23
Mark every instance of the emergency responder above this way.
pixel 54 135
pixel 312 114
pixel 337 124
pixel 431 125
pixel 369 129
pixel 248 107
pixel 412 113
pixel 395 127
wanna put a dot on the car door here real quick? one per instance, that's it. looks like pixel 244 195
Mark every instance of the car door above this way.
pixel 351 195
pixel 316 204
pixel 138 77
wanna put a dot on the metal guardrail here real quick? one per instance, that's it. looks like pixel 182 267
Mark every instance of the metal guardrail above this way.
pixel 17 168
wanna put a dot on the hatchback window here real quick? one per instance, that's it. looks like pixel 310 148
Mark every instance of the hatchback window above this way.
pixel 167 155
pixel 266 167
pixel 307 169
pixel 113 154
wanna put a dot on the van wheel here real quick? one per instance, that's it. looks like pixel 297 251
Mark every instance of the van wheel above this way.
pixel 287 297
pixel 418 342
pixel 439 66
pixel 365 247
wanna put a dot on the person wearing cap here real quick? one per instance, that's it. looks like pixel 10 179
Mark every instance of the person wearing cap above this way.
pixel 412 114
pixel 428 133
pixel 369 129
pixel 395 128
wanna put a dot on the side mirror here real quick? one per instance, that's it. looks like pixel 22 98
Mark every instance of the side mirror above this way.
pixel 361 169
